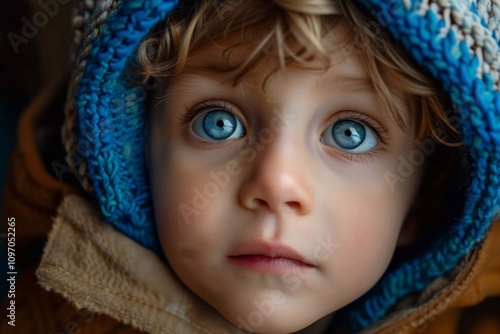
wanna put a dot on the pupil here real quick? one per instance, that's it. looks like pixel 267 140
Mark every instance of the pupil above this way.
pixel 348 133
pixel 220 123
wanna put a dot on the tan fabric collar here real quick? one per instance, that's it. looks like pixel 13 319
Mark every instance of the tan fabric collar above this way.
pixel 98 268
pixel 473 280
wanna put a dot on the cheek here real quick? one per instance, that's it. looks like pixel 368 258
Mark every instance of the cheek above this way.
pixel 178 200
pixel 171 192
pixel 188 207
pixel 366 217
pixel 366 242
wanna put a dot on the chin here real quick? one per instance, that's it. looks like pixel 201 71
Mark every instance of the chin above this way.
pixel 268 321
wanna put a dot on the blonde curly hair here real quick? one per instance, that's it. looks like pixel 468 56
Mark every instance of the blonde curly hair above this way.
pixel 275 28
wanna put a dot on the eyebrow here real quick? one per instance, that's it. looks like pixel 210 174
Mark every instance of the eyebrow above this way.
pixel 221 67
pixel 213 65
pixel 336 84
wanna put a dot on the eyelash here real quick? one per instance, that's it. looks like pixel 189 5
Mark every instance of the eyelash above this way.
pixel 378 130
pixel 363 157
pixel 187 118
pixel 193 112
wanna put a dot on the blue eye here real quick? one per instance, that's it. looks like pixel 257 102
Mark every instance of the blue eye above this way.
pixel 349 135
pixel 218 125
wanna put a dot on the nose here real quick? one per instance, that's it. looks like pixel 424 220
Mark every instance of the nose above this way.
pixel 278 181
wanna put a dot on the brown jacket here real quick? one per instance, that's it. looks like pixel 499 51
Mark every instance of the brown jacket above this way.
pixel 100 281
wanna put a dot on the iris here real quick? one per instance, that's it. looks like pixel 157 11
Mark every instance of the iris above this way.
pixel 218 125
pixel 348 134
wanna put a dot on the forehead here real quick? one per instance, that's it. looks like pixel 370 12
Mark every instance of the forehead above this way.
pixel 249 54
pixel 237 58
pixel 237 48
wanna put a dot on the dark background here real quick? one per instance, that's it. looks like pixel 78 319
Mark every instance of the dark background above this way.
pixel 26 67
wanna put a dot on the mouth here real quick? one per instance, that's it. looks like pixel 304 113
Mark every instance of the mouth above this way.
pixel 269 258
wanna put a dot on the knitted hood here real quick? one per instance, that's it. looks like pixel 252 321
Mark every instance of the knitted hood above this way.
pixel 456 41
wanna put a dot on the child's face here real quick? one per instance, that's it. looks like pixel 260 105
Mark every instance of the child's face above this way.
pixel 273 206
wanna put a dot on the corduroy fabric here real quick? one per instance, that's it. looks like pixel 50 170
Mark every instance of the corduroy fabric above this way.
pixel 456 41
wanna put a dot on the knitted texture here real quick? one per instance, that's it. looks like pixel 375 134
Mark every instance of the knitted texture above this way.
pixel 111 120
pixel 456 41
pixel 87 25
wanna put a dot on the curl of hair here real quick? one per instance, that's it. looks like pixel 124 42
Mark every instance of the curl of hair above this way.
pixel 276 28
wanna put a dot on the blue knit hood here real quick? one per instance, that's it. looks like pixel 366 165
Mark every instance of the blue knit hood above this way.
pixel 457 41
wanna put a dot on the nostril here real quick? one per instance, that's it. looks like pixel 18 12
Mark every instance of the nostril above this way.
pixel 293 204
pixel 261 202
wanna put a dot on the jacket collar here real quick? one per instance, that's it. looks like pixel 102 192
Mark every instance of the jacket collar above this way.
pixel 98 268
pixel 469 283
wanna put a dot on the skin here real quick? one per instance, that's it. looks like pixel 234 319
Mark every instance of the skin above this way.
pixel 279 182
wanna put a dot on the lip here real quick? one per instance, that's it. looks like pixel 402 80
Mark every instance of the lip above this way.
pixel 269 257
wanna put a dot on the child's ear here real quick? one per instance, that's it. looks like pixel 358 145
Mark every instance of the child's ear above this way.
pixel 409 233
